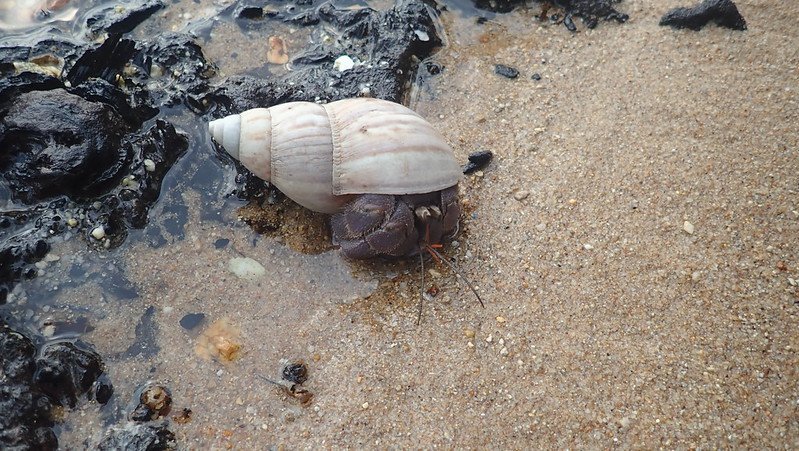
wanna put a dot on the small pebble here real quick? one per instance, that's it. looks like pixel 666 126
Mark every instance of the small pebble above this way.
pixel 489 338
pixel 688 227
pixel 587 247
pixel 521 195
pixel 469 333
pixel 536 76
pixel 98 233
pixel 478 160
pixel 72 222
pixel 246 268
pixel 541 227
pixel 501 319
pixel 505 71
pixel 504 351
pixel 343 63
pixel 365 405
pixel 149 165
pixel 572 201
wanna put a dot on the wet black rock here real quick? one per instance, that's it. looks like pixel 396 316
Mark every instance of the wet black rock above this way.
pixel 536 76
pixel 477 160
pixel 115 19
pixel 34 380
pixel 295 372
pixel 723 12
pixel 103 390
pixel 49 149
pixel 66 371
pixel 138 437
pixel 177 66
pixel 149 155
pixel 25 420
pixel 505 71
pixel 387 46
pixel 17 253
pixel 166 70
pixel 591 11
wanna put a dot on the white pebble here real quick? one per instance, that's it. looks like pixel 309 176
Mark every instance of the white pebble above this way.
pixel 72 222
pixel 246 268
pixel 587 247
pixel 422 35
pixel 149 165
pixel 343 63
pixel 98 233
pixel 688 227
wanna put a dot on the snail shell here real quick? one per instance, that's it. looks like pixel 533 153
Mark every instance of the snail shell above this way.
pixel 322 155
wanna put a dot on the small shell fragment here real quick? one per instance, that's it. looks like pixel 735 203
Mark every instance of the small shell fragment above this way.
pixel 688 227
pixel 278 52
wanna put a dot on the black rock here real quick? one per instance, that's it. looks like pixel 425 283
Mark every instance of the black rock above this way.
pixel 388 43
pixel 138 437
pixel 591 11
pixel 104 61
pixel 31 385
pixel 113 19
pixel 723 12
pixel 295 372
pixel 192 320
pixel 536 76
pixel 505 71
pixel 103 390
pixel 478 160
pixel 66 371
pixel 49 149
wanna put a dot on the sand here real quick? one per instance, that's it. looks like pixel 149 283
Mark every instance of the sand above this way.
pixel 634 241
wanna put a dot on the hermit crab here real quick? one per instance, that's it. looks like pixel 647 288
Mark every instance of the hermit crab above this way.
pixel 386 176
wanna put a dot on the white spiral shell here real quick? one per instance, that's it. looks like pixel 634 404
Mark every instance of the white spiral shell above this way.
pixel 318 155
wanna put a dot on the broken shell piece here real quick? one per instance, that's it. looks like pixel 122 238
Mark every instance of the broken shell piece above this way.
pixel 220 341
pixel 278 52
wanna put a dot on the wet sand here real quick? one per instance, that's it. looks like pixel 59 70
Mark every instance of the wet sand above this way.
pixel 634 240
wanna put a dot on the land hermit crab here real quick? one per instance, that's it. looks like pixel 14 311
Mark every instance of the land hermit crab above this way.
pixel 388 178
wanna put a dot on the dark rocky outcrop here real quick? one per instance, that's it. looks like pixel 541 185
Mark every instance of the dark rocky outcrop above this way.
pixel 723 13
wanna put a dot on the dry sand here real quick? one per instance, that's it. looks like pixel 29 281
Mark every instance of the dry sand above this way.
pixel 634 241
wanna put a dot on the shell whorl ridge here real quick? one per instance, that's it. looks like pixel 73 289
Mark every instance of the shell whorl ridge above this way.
pixel 318 155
